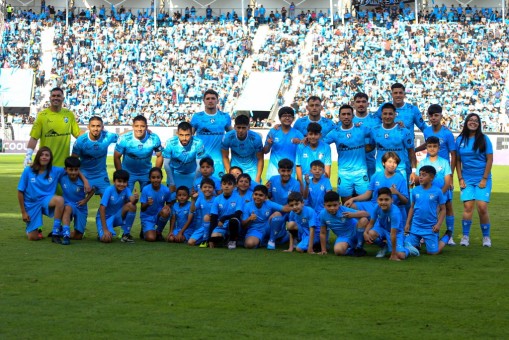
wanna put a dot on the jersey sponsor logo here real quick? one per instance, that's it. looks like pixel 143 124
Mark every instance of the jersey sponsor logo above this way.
pixel 53 133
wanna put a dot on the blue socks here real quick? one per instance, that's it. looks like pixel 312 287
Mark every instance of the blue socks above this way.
pixel 275 227
pixel 485 229
pixel 57 223
pixel 161 223
pixel 128 222
pixel 206 231
pixel 449 222
pixel 466 227
pixel 66 231
pixel 360 237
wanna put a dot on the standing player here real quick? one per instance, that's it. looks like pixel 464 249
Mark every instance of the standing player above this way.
pixel 54 127
pixel 246 149
pixel 181 155
pixel 282 142
pixel 92 149
pixel 368 121
pixel 473 166
pixel 314 108
pixel 134 150
pixel 316 149
pixel 210 125
pixel 391 137
pixel 350 143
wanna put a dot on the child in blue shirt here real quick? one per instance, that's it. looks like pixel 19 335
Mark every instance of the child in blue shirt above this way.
pixel 302 222
pixel 181 221
pixel 316 187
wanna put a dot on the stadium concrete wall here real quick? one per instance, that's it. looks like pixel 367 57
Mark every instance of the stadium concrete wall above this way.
pixel 22 135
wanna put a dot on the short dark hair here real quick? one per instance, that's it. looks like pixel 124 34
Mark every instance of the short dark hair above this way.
pixel 236 167
pixel 228 179
pixel 360 95
pixel 95 118
pixel 56 89
pixel 384 191
pixel 184 126
pixel 155 169
pixel 183 188
pixel 121 174
pixel 247 176
pixel 429 169
pixel 286 110
pixel 434 108
pixel 314 127
pixel 140 118
pixel 391 154
pixel 72 162
pixel 397 86
pixel 207 160
pixel 314 98
pixel 331 196
pixel 261 188
pixel 317 162
pixel 208 181
pixel 346 106
pixel 295 196
pixel 388 106
pixel 433 140
pixel 285 163
pixel 242 120
pixel 210 91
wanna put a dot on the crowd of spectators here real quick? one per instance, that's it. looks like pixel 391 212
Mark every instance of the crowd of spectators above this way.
pixel 461 67
pixel 116 65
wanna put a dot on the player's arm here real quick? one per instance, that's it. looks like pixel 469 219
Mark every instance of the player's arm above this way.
pixel 226 160
pixel 409 218
pixel 487 170
pixel 421 147
pixel 356 214
pixel 259 166
pixel 298 172
pixel 21 200
pixel 413 164
pixel 453 163
pixel 180 235
pixel 441 218
pixel 86 184
pixel 87 198
pixel 327 171
pixel 134 197
pixel 32 143
pixel 459 172
pixel 117 160
pixel 305 192
pixel 394 190
pixel 323 239
pixel 361 198
pixel 312 239
pixel 370 225
pixel 159 159
pixel 106 233
pixel 447 183
pixel 268 143
pixel 170 236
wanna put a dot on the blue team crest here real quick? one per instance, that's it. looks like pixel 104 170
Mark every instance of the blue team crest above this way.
pixel 267 213
pixel 431 196
pixel 32 180
pixel 276 140
pixel 343 219
pixel 96 146
pixel 417 196
pixel 348 135
pixel 65 186
pixel 212 120
pixel 304 220
pixel 140 146
pixel 220 206
pixel 50 179
pixel 233 204
pixel 66 120
pixel 377 183
pixel 322 187
pixel 112 198
pixel 320 155
pixel 78 189
pixel 386 136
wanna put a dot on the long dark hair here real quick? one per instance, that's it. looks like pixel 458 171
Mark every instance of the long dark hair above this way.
pixel 36 165
pixel 479 141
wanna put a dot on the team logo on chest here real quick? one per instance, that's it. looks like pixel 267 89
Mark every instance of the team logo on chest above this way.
pixel 66 120
pixel 386 136
pixel 348 135
pixel 212 120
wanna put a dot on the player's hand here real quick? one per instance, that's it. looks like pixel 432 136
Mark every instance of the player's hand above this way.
pixel 269 141
pixel 25 217
pixel 394 258
pixel 82 202
pixel 306 178
pixel 165 211
pixel 289 250
pixel 368 238
pixel 268 185
pixel 252 217
pixel 170 237
pixel 394 190
pixel 194 196
pixel 87 187
pixel 348 214
pixel 482 184
pixel 220 224
pixel 323 252
pixel 436 228
pixel 401 124
pixel 258 179
pixel 150 201
pixel 463 185
pixel 277 126
pixel 211 245
pixel 348 203
pixel 27 161
pixel 106 237
pixel 407 228
pixel 135 196
pixel 173 188
pixel 295 140
pixel 179 238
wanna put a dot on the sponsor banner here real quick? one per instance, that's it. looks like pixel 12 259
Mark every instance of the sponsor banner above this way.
pixel 22 133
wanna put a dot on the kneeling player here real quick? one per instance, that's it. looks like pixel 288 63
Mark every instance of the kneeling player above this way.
pixel 302 222
pixel 344 223
pixel 118 208
pixel 423 221
pixel 181 224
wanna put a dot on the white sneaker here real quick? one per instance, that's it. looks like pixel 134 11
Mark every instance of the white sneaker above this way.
pixel 381 253
pixel 271 245
pixel 486 241
pixel 451 242
pixel 465 241
pixel 232 245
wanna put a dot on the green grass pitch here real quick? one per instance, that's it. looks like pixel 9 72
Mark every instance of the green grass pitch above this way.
pixel 141 290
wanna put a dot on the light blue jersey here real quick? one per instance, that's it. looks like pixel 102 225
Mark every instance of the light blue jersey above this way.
pixel 368 122
pixel 114 201
pixel 279 192
pixel 307 219
pixel 350 145
pixel 426 203
pixel 442 167
pixel 302 123
pixel 447 143
pixel 160 198
pixel 137 154
pixel 306 155
pixel 181 213
pixel 37 187
pixel 317 192
pixel 202 206
pixel 282 147
pixel 343 227
pixel 410 116
pixel 395 139
pixel 380 180
pixel 211 129
pixel 391 219
pixel 199 178
pixel 72 191
pixel 93 153
pixel 261 224
pixel 183 158
pixel 244 152
pixel 473 163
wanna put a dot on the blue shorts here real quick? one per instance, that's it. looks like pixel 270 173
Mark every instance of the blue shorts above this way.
pixel 148 223
pixel 198 235
pixel 448 195
pixel 222 230
pixel 111 222
pixel 473 192
pixel 143 180
pixel 262 237
pixel 186 180
pixel 187 234
pixel 352 241
pixel 384 234
pixel 430 239
pixel 79 216
pixel 35 210
pixel 368 206
pixel 99 183
pixel 348 183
